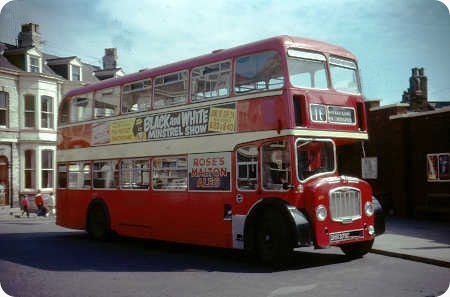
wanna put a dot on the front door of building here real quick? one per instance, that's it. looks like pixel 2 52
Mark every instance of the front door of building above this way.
pixel 4 181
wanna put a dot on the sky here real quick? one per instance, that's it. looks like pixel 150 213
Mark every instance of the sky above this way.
pixel 388 37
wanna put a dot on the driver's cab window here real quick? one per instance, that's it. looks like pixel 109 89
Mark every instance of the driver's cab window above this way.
pixel 276 167
pixel 314 157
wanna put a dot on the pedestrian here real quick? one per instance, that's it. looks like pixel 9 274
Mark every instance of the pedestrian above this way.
pixel 39 201
pixel 25 203
pixel 51 203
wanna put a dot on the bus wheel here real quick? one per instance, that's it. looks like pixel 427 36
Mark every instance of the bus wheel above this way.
pixel 357 249
pixel 272 240
pixel 98 222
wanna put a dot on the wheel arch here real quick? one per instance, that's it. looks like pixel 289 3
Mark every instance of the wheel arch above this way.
pixel 297 222
pixel 98 202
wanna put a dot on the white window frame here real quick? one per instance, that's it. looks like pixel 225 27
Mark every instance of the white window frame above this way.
pixel 29 111
pixel 72 71
pixel 46 170
pixel 29 166
pixel 47 114
pixel 33 67
pixel 5 109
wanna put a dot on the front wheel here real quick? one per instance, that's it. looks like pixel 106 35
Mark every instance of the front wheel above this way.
pixel 273 241
pixel 357 249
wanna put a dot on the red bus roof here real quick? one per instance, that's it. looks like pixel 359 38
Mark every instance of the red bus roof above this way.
pixel 266 44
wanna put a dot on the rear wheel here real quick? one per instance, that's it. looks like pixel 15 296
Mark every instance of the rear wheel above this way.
pixel 273 240
pixel 357 249
pixel 98 222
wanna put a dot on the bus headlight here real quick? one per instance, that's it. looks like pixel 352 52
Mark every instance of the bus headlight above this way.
pixel 321 212
pixel 371 230
pixel 369 209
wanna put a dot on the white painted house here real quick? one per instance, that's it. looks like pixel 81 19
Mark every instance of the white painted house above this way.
pixel 32 84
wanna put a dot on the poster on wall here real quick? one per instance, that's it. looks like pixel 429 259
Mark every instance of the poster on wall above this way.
pixel 432 167
pixel 210 172
pixel 369 166
pixel 438 167
pixel 444 172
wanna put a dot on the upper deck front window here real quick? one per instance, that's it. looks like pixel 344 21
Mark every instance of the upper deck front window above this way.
pixel 307 69
pixel 344 75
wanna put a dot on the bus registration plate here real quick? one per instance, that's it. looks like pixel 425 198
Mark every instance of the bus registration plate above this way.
pixel 347 235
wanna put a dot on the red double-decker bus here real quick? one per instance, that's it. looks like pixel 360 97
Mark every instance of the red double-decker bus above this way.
pixel 233 149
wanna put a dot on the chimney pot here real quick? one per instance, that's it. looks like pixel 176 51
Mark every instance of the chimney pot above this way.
pixel 30 36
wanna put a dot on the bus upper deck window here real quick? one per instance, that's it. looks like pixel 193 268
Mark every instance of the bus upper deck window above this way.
pixel 81 108
pixel 170 89
pixel 211 81
pixel 136 96
pixel 259 72
pixel 344 75
pixel 107 102
pixel 64 115
pixel 307 69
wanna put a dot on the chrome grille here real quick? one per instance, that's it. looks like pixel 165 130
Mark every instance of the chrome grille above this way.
pixel 345 205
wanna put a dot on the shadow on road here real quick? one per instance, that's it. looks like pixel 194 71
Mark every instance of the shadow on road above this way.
pixel 75 251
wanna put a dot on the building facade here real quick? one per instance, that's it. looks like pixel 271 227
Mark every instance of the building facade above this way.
pixel 32 84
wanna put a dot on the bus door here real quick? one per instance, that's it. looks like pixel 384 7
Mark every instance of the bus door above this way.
pixel 246 190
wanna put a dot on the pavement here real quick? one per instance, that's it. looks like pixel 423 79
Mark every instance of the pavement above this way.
pixel 417 240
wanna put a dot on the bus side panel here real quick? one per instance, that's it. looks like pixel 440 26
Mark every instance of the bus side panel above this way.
pixel 210 223
pixel 132 212
pixel 184 217
pixel 71 212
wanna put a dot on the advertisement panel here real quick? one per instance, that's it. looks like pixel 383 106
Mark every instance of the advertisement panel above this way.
pixel 185 123
pixel 210 172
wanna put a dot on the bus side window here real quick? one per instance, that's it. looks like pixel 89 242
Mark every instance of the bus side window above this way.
pixel 64 115
pixel 62 176
pixel 107 102
pixel 259 72
pixel 105 174
pixel 169 173
pixel 136 96
pixel 247 168
pixel 276 169
pixel 135 174
pixel 79 175
pixel 211 81
pixel 170 89
pixel 81 108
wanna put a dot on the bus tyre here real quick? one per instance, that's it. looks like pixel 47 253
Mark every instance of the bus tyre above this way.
pixel 357 249
pixel 98 222
pixel 272 240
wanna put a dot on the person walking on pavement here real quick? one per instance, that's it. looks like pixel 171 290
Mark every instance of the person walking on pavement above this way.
pixel 25 203
pixel 39 201
pixel 51 203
